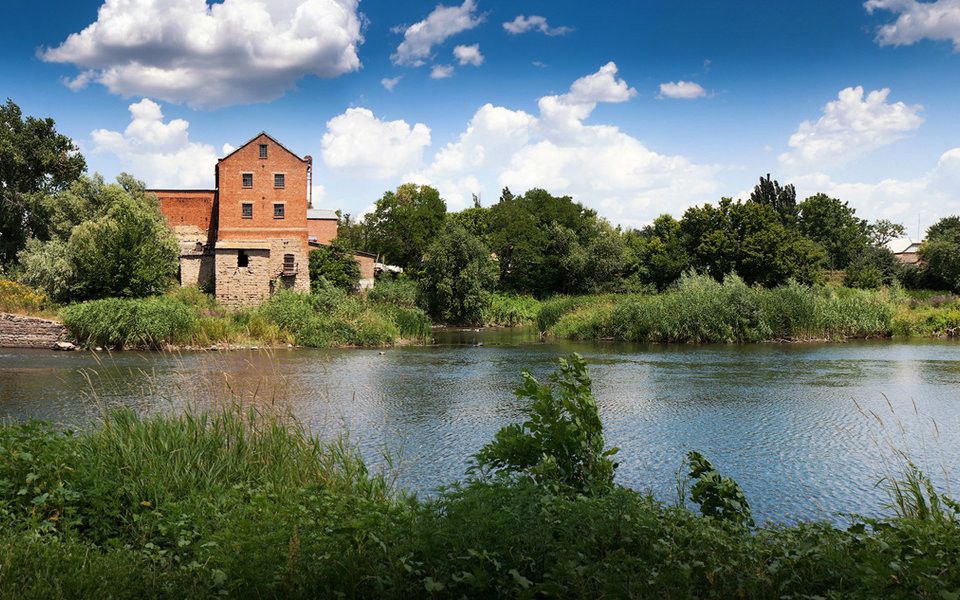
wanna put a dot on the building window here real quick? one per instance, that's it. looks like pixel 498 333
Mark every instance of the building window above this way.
pixel 289 264
pixel 243 259
pixel 246 210
pixel 248 180
pixel 277 211
pixel 279 180
pixel 263 150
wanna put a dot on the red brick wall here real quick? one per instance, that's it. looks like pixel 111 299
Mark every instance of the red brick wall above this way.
pixel 324 230
pixel 263 195
pixel 366 266
pixel 188 208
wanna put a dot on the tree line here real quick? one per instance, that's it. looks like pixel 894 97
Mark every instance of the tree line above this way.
pixel 78 237
pixel 542 245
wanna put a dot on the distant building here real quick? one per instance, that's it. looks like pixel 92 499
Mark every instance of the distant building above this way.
pixel 252 234
pixel 906 250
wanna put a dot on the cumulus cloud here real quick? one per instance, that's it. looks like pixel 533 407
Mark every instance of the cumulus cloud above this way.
pixel 468 55
pixel 158 152
pixel 441 72
pixel 928 197
pixel 599 165
pixel 939 20
pixel 443 22
pixel 390 82
pixel 359 143
pixel 523 24
pixel 851 126
pixel 214 55
pixel 682 90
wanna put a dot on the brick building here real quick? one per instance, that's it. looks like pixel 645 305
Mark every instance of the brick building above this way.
pixel 251 235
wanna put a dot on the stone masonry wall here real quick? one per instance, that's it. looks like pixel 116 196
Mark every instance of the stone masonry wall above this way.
pixel 251 285
pixel 18 331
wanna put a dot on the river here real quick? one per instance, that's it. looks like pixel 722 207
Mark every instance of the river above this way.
pixel 791 423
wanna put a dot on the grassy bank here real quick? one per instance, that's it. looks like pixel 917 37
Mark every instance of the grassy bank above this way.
pixel 701 310
pixel 187 317
pixel 248 505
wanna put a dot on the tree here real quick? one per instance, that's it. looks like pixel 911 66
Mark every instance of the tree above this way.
pixel 35 160
pixel 873 267
pixel 783 200
pixel 748 238
pixel 834 225
pixel 541 241
pixel 941 253
pixel 659 254
pixel 335 266
pixel 458 277
pixel 883 231
pixel 476 220
pixel 121 246
pixel 405 223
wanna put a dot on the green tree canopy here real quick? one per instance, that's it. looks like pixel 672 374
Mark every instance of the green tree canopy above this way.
pixel 941 252
pixel 783 200
pixel 110 241
pixel 659 254
pixel 458 277
pixel 334 265
pixel 834 225
pixel 748 238
pixel 542 241
pixel 34 160
pixel 404 224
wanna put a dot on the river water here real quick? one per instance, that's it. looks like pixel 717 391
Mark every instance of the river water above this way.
pixel 807 429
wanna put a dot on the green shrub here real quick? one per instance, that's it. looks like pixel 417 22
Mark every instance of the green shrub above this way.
pixel 335 266
pixel 123 322
pixel 511 310
pixel 561 443
pixel 397 291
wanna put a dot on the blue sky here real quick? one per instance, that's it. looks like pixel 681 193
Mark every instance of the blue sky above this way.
pixel 634 108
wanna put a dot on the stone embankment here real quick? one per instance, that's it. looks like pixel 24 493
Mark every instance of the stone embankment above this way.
pixel 18 331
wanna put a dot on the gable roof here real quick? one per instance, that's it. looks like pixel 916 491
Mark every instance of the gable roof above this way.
pixel 902 245
pixel 255 138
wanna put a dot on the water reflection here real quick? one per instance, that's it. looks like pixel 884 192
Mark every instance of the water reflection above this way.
pixel 783 420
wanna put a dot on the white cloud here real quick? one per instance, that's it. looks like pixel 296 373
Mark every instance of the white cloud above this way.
pixel 390 82
pixel 361 144
pixel 159 153
pixel 441 72
pixel 682 90
pixel 443 22
pixel 851 126
pixel 522 24
pixel 928 197
pixel 469 55
pixel 213 55
pixel 599 165
pixel 939 20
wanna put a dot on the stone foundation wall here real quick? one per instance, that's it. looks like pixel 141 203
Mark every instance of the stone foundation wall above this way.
pixel 197 270
pixel 263 275
pixel 18 331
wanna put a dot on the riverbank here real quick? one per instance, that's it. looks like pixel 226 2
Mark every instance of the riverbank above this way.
pixel 187 318
pixel 247 504
pixel 702 310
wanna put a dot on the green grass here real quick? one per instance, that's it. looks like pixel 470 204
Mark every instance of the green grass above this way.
pixel 244 504
pixel 188 317
pixel 699 309
pixel 511 310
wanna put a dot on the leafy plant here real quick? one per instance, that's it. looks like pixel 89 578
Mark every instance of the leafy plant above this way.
pixel 561 444
pixel 718 496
